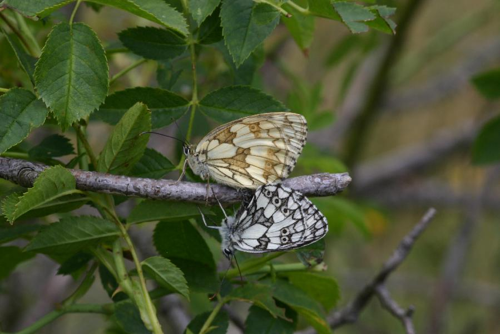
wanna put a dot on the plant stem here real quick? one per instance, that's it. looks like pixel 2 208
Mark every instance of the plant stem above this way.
pixel 74 12
pixel 17 155
pixel 126 70
pixel 81 136
pixel 4 90
pixel 212 316
pixel 278 268
pixel 105 259
pixel 25 30
pixel 16 31
pixel 112 51
pixel 253 265
pixel 301 10
pixel 272 4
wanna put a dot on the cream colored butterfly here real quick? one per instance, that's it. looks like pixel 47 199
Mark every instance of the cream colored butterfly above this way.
pixel 250 151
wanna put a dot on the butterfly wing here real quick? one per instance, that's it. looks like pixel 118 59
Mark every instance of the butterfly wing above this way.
pixel 255 150
pixel 278 218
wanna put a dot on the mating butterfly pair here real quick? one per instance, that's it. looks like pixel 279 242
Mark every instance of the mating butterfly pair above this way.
pixel 256 152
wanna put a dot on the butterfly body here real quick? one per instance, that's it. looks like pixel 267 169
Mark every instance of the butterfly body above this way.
pixel 277 218
pixel 251 151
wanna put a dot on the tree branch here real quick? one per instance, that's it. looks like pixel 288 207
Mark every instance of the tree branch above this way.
pixel 351 312
pixel 25 172
pixel 397 311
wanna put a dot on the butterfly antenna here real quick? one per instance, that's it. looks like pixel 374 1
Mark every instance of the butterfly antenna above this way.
pixel 180 131
pixel 161 134
pixel 223 278
pixel 220 205
pixel 238 266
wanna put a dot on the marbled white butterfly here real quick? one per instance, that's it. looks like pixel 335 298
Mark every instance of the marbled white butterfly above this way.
pixel 276 218
pixel 251 151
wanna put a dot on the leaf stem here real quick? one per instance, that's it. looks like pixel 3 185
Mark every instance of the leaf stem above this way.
pixel 280 268
pixel 18 33
pixel 253 265
pixel 126 70
pixel 74 12
pixel 301 10
pixel 83 139
pixel 4 90
pixel 270 3
pixel 112 51
pixel 25 30
pixel 212 316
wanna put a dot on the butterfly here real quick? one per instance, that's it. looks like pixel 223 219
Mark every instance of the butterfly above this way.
pixel 250 151
pixel 277 218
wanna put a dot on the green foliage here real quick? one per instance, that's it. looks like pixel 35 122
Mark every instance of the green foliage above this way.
pixel 126 145
pixel 21 112
pixel 9 233
pixel 52 147
pixel 486 146
pixel 26 61
pixel 259 321
pixel 321 288
pixel 219 325
pixel 488 84
pixel 200 9
pixel 129 319
pixel 72 73
pixel 259 295
pixel 73 234
pixel 234 102
pixel 10 258
pixel 152 165
pixel 52 184
pixel 150 211
pixel 166 274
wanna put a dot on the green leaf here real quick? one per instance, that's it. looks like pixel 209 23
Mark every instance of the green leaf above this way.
pixel 244 74
pixel 312 254
pixel 486 147
pixel 354 16
pixel 200 9
pixel 383 22
pixel 245 25
pixel 340 211
pixel 20 112
pixel 151 210
pixel 153 43
pixel 10 258
pixel 165 106
pixel 62 204
pixel 152 165
pixel 153 10
pixel 26 61
pixel 323 8
pixel 301 27
pixel 488 83
pixel 219 325
pixel 166 75
pixel 51 184
pixel 259 321
pixel 52 147
pixel 298 300
pixel 233 102
pixel 211 30
pixel 129 318
pixel 126 145
pixel 9 233
pixel 72 73
pixel 260 295
pixel 71 234
pixel 77 262
pixel 182 244
pixel 321 288
pixel 166 274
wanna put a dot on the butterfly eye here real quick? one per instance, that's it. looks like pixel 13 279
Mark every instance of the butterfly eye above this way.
pixel 185 149
pixel 285 231
pixel 276 201
pixel 227 252
pixel 284 239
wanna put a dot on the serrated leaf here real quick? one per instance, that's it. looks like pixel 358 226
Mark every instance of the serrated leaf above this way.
pixel 323 8
pixel 150 210
pixel 211 29
pixel 245 73
pixel 62 204
pixel 165 106
pixel 166 274
pixel 485 149
pixel 20 112
pixel 154 10
pixel 10 258
pixel 51 184
pixel 245 25
pixel 152 165
pixel 383 22
pixel 321 288
pixel 219 325
pixel 312 254
pixel 233 102
pixel 26 61
pixel 259 321
pixel 298 300
pixel 300 26
pixel 260 295
pixel 153 43
pixel 182 244
pixel 9 233
pixel 129 318
pixel 71 234
pixel 126 145
pixel 488 83
pixel 354 16
pixel 75 263
pixel 200 9
pixel 72 73
pixel 52 147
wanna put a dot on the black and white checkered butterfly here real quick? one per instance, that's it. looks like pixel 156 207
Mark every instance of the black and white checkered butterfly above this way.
pixel 276 218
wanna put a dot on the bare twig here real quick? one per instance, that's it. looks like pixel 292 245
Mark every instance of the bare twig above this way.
pixel 25 172
pixel 405 316
pixel 351 312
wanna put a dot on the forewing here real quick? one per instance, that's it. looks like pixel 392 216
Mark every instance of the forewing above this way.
pixel 254 150
pixel 276 219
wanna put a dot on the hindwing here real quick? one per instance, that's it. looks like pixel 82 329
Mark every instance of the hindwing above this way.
pixel 255 150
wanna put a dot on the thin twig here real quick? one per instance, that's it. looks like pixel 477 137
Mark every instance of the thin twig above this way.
pixel 397 311
pixel 350 313
pixel 25 172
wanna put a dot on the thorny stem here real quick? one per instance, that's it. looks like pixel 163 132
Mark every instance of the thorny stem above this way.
pixel 126 70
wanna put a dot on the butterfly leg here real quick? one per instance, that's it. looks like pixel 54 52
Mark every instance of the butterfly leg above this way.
pixel 208 192
pixel 205 222
pixel 183 171
pixel 220 205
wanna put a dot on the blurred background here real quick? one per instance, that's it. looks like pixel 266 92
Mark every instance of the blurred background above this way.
pixel 399 113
